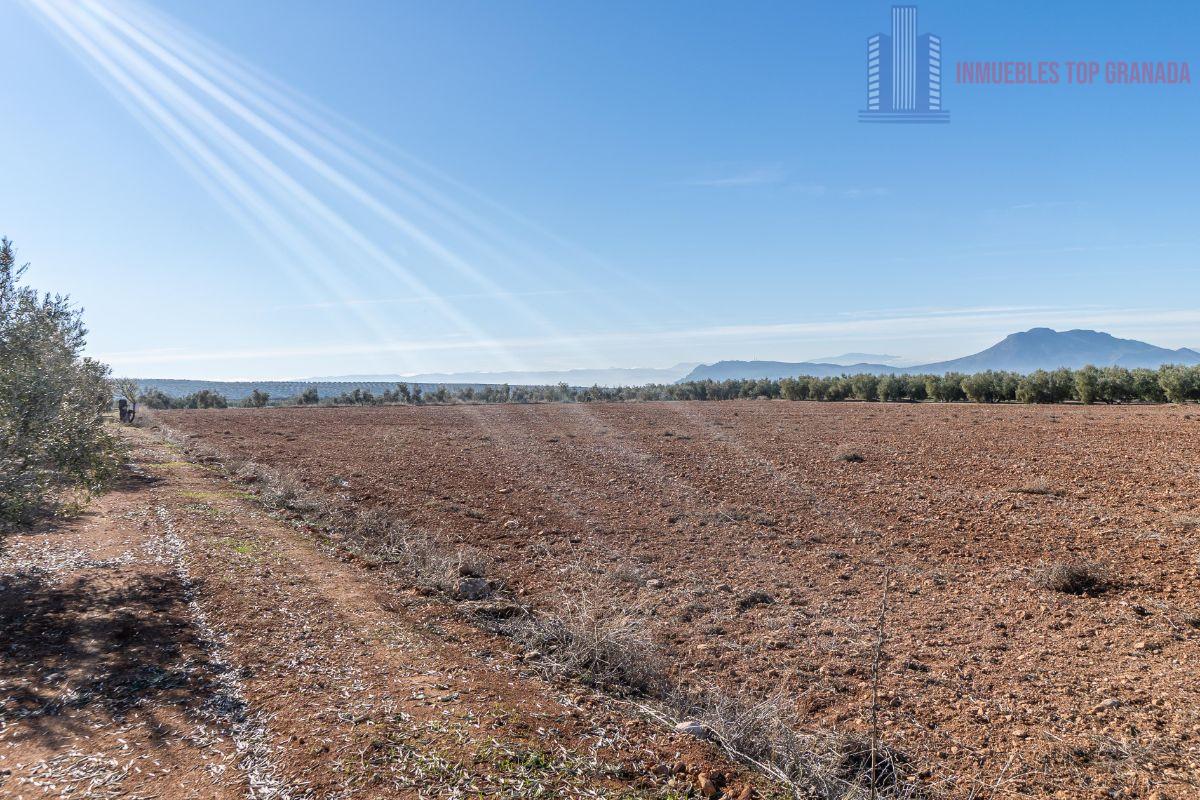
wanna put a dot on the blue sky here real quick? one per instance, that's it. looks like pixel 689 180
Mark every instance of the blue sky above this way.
pixel 568 184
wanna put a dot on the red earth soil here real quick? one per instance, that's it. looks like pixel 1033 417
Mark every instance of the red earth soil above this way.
pixel 756 546
pixel 177 641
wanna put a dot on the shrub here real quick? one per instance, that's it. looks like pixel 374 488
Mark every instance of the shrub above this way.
pixel 793 389
pixel 1076 577
pixel 205 398
pixel 256 399
pixel 990 387
pixel 309 397
pixel 156 399
pixel 52 437
pixel 945 388
pixel 890 389
pixel 864 387
pixel 1146 386
pixel 1087 384
pixel 1179 384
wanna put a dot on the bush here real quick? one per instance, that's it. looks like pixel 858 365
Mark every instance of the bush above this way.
pixel 889 389
pixel 256 399
pixel 1146 386
pixel 156 399
pixel 1045 387
pixel 309 397
pixel 1087 384
pixel 990 386
pixel 945 388
pixel 205 398
pixel 52 436
pixel 1077 577
pixel 1179 384
pixel 865 387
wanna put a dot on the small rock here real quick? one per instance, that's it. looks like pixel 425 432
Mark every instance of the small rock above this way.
pixel 512 524
pixel 691 727
pixel 654 583
pixel 706 786
pixel 472 589
pixel 1106 704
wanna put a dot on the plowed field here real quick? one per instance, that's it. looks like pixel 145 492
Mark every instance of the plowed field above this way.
pixel 756 544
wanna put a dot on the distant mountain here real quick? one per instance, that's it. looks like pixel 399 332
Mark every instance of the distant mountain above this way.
pixel 855 358
pixel 774 370
pixel 1037 348
pixel 614 376
pixel 1043 348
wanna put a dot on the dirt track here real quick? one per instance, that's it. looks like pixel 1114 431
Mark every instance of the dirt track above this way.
pixel 176 641
pixel 757 555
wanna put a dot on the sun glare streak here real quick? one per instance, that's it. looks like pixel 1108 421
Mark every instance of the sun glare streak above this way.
pixel 297 183
pixel 328 131
pixel 173 133
pixel 317 165
pixel 270 228
pixel 314 212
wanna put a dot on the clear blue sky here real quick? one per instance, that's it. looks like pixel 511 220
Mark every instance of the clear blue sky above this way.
pixel 566 184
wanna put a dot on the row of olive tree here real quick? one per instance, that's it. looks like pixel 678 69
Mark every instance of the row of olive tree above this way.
pixel 205 398
pixel 1176 384
pixel 52 401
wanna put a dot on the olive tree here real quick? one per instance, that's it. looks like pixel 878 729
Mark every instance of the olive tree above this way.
pixel 52 401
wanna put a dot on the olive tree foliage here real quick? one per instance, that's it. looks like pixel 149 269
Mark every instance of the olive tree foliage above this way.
pixel 257 399
pixel 52 398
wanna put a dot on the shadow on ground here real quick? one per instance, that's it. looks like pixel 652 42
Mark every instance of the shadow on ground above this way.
pixel 86 647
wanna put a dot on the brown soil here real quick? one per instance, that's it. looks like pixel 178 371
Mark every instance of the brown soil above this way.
pixel 686 510
pixel 176 641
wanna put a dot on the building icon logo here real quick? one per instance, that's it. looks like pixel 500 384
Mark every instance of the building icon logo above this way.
pixel 904 73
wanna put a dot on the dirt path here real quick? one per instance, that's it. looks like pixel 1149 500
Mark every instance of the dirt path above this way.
pixel 112 684
pixel 176 641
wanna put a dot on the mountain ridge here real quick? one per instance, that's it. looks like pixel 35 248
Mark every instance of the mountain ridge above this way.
pixel 1024 351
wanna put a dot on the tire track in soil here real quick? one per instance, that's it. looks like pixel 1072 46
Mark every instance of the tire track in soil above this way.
pixel 227 707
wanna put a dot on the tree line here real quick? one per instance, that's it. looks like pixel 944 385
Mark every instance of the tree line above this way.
pixel 1174 384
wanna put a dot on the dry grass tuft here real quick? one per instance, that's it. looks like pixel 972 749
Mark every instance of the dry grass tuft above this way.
pixel 768 734
pixel 1076 577
pixel 599 645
